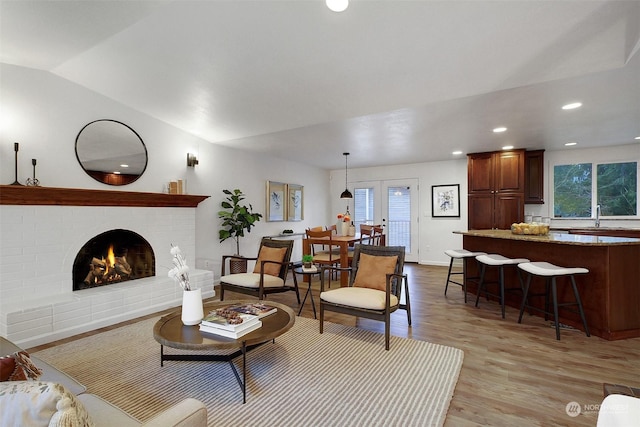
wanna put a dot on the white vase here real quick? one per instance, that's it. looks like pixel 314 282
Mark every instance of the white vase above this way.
pixel 339 228
pixel 345 229
pixel 192 312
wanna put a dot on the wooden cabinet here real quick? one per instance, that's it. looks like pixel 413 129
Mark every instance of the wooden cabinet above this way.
pixel 534 177
pixel 496 183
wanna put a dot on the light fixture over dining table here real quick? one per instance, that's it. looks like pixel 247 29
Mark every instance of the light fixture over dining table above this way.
pixel 346 194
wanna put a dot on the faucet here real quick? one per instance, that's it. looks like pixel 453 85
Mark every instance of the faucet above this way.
pixel 597 215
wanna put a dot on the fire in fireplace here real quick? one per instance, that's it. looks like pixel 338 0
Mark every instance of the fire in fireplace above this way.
pixel 112 257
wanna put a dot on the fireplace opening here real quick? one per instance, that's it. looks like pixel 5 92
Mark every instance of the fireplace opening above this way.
pixel 112 257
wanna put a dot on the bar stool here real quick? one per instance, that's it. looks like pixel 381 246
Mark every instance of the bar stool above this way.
pixel 464 255
pixel 550 272
pixel 495 260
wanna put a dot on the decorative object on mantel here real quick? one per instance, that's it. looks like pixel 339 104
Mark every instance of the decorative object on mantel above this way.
pixel 235 220
pixel 16 147
pixel 33 182
pixel 192 311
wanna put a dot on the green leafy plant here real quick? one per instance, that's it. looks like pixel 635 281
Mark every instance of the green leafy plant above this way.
pixel 236 218
pixel 307 260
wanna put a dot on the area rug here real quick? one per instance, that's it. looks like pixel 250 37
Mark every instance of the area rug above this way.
pixel 341 377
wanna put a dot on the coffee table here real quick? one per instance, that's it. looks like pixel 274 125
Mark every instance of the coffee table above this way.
pixel 169 331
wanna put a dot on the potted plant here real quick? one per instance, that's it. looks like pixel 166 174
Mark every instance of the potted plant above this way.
pixel 236 218
pixel 307 261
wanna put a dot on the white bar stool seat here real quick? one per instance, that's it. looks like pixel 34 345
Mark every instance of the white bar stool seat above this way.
pixel 496 260
pixel 550 272
pixel 464 255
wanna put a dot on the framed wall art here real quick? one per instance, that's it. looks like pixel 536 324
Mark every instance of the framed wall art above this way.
pixel 445 200
pixel 295 202
pixel 276 201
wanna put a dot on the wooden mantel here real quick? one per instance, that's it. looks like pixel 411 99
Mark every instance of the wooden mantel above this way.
pixel 23 195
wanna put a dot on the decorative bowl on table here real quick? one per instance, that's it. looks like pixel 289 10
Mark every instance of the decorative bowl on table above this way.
pixel 531 229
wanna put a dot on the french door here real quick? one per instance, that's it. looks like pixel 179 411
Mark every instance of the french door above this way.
pixel 394 204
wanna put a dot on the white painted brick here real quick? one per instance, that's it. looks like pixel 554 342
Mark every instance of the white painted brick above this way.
pixel 37 250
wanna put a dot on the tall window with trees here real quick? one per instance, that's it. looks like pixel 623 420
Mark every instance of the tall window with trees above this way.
pixel 577 191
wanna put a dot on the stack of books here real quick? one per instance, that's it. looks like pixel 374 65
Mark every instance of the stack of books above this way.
pixel 250 314
pixel 256 309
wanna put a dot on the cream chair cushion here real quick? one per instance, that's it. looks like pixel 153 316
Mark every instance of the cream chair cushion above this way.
pixel 619 410
pixel 252 280
pixel 371 299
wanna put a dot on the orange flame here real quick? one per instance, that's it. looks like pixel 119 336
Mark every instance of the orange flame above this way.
pixel 111 257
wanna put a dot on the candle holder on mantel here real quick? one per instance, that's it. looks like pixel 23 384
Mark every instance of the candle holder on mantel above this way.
pixel 33 182
pixel 15 148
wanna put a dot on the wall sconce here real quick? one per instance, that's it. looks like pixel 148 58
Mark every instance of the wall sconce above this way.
pixel 192 161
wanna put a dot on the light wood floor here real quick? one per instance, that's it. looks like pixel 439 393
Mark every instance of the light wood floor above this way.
pixel 513 374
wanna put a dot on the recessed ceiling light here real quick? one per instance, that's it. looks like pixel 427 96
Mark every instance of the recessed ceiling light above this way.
pixel 500 129
pixel 569 144
pixel 124 166
pixel 507 147
pixel 572 106
pixel 116 172
pixel 637 137
pixel 457 153
pixel 337 5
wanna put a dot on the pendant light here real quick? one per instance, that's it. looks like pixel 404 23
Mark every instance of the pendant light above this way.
pixel 346 194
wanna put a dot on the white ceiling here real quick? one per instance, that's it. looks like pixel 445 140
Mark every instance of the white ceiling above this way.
pixel 392 82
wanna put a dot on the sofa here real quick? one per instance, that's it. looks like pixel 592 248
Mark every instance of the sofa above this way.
pixel 56 399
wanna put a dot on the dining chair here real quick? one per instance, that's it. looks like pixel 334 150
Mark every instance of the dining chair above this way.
pixel 325 253
pixel 269 275
pixel 377 235
pixel 375 287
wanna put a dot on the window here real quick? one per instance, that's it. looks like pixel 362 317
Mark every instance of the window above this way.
pixel 576 191
pixel 363 207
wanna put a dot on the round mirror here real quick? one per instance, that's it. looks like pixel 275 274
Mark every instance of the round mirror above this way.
pixel 111 152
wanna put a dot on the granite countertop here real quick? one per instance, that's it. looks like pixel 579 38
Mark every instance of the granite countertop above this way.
pixel 554 237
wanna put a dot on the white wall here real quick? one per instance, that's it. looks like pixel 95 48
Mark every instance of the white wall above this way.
pixel 44 113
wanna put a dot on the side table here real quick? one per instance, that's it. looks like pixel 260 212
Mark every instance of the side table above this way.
pixel 309 275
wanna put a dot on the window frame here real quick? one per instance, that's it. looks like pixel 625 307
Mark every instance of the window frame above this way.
pixel 594 187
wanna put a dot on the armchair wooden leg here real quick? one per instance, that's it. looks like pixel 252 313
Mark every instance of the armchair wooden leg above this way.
pixel 407 305
pixel 295 284
pixel 221 292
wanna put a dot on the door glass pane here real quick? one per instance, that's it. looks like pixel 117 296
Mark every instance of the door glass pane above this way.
pixel 363 212
pixel 399 219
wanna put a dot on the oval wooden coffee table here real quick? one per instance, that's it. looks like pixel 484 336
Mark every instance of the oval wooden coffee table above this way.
pixel 170 331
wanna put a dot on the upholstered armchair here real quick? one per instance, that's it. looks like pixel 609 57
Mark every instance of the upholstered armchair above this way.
pixel 269 275
pixel 375 287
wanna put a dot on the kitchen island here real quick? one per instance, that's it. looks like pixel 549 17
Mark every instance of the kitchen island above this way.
pixel 610 292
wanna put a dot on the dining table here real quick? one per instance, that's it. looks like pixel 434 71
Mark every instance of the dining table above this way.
pixel 343 241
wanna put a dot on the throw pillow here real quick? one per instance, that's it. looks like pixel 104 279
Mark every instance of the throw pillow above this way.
pixel 18 367
pixel 373 270
pixel 35 403
pixel 270 254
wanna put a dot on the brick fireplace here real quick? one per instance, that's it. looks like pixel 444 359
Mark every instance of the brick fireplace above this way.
pixel 43 229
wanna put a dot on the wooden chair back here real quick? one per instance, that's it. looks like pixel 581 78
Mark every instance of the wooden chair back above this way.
pixel 325 247
pixel 275 243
